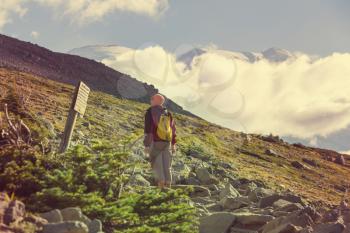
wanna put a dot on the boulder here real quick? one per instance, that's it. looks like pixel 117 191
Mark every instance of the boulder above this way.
pixel 202 200
pixel 340 160
pixel 52 216
pixel 214 207
pixel 233 203
pixel 192 181
pixel 38 221
pixel 241 230
pixel 311 162
pixel 65 227
pixel 180 171
pixel 270 152
pixel 329 228
pixel 258 193
pixel 200 191
pixel 248 187
pixel 299 219
pixel 286 206
pixel 216 223
pixel 205 177
pixel 247 218
pixel 95 226
pixel 285 228
pixel 290 207
pixel 297 164
pixel 228 191
pixel 71 214
pixel 270 200
pixel 280 203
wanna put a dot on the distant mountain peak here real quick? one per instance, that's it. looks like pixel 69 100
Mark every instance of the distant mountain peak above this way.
pixel 277 55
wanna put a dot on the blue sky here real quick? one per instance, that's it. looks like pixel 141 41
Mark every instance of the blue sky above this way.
pixel 313 26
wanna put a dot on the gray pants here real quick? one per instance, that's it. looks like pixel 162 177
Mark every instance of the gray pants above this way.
pixel 161 158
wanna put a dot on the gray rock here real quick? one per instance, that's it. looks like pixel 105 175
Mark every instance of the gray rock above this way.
pixel 228 191
pixel 226 165
pixel 202 200
pixel 95 226
pixel 241 230
pixel 248 187
pixel 278 213
pixel 233 203
pixel 52 216
pixel 87 125
pixel 65 227
pixel 298 219
pixel 200 191
pixel 214 207
pixel 71 214
pixel 270 152
pixel 192 181
pixel 290 207
pixel 311 162
pixel 329 228
pixel 85 219
pixel 286 228
pixel 297 164
pixel 252 218
pixel 205 177
pixel 258 193
pixel 340 160
pixel 216 223
pixel 270 200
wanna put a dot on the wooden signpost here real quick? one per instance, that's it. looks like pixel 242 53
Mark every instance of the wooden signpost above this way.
pixel 78 107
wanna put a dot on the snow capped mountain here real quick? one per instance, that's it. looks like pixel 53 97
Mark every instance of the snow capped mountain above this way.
pixel 277 55
pixel 100 52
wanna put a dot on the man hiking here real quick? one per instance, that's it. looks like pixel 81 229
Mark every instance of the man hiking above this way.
pixel 160 140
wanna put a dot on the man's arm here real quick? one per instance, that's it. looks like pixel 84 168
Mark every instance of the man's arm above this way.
pixel 147 141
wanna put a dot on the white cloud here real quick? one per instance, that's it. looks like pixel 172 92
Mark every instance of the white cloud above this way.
pixel 35 34
pixel 8 8
pixel 301 97
pixel 84 11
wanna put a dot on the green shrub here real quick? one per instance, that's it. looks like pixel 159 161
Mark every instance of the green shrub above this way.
pixel 196 148
pixel 92 178
pixel 21 170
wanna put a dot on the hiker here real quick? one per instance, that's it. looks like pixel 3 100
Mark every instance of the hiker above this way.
pixel 160 140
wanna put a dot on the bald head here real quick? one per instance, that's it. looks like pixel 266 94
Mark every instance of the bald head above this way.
pixel 157 100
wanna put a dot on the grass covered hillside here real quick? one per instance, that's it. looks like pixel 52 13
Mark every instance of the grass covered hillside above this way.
pixel 310 173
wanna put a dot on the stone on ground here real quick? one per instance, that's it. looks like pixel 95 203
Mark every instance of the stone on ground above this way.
pixel 228 191
pixel 65 227
pixel 52 216
pixel 217 223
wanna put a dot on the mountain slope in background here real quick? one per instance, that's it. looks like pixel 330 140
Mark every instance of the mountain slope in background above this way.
pixel 33 59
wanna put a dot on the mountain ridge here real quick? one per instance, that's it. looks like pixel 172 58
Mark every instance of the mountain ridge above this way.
pixel 70 69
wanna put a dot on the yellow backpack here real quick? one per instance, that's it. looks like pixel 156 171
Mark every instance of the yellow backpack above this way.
pixel 164 130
